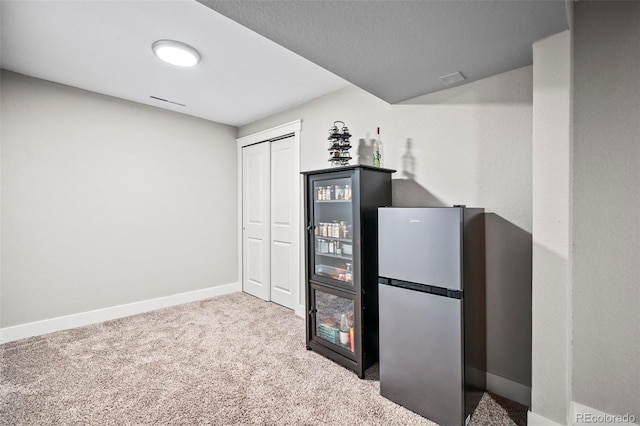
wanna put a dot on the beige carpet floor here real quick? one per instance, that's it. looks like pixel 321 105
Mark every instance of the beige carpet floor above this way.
pixel 228 360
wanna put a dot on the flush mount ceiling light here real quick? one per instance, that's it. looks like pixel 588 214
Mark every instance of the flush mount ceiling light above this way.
pixel 176 53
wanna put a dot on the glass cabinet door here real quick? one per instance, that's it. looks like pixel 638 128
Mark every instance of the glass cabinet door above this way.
pixel 332 239
pixel 334 320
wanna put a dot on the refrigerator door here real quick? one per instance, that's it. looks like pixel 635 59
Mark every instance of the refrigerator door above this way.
pixel 421 245
pixel 421 366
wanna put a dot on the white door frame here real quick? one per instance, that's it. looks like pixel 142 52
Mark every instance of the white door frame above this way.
pixel 294 128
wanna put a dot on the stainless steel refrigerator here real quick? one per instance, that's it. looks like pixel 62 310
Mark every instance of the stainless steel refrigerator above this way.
pixel 431 291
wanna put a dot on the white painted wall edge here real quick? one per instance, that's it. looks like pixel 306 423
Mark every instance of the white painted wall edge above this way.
pixel 581 414
pixel 509 389
pixel 38 328
pixel 300 310
pixel 534 419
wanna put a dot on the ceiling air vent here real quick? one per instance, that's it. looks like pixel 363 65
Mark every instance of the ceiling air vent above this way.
pixel 452 78
pixel 167 101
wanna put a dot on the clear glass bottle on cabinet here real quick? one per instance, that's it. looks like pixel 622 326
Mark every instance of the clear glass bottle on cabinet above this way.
pixel 378 150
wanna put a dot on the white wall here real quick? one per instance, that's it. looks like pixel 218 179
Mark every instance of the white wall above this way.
pixel 107 202
pixel 586 294
pixel 551 380
pixel 606 232
pixel 469 145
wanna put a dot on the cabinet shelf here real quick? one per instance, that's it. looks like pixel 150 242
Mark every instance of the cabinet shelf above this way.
pixel 331 201
pixel 335 256
pixel 342 240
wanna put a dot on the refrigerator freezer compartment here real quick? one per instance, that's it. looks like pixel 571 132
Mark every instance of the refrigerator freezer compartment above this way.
pixel 422 245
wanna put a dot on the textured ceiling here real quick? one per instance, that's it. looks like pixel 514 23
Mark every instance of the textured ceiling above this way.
pixel 105 47
pixel 397 50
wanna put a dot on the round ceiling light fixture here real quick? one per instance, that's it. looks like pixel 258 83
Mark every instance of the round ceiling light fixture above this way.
pixel 176 53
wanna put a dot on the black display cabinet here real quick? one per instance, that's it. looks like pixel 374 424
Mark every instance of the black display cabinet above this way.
pixel 341 212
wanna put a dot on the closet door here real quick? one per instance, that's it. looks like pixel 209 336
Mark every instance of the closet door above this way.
pixel 284 223
pixel 255 220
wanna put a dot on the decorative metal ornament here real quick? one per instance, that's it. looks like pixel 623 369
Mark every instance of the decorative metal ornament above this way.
pixel 339 145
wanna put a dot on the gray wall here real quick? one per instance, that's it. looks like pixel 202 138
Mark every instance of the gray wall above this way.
pixel 469 145
pixel 606 227
pixel 551 367
pixel 107 202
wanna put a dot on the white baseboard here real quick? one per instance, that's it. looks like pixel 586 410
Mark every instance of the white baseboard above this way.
pixel 300 310
pixel 534 419
pixel 38 328
pixel 581 414
pixel 509 389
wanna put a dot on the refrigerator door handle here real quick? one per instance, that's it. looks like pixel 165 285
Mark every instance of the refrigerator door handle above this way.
pixel 422 288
